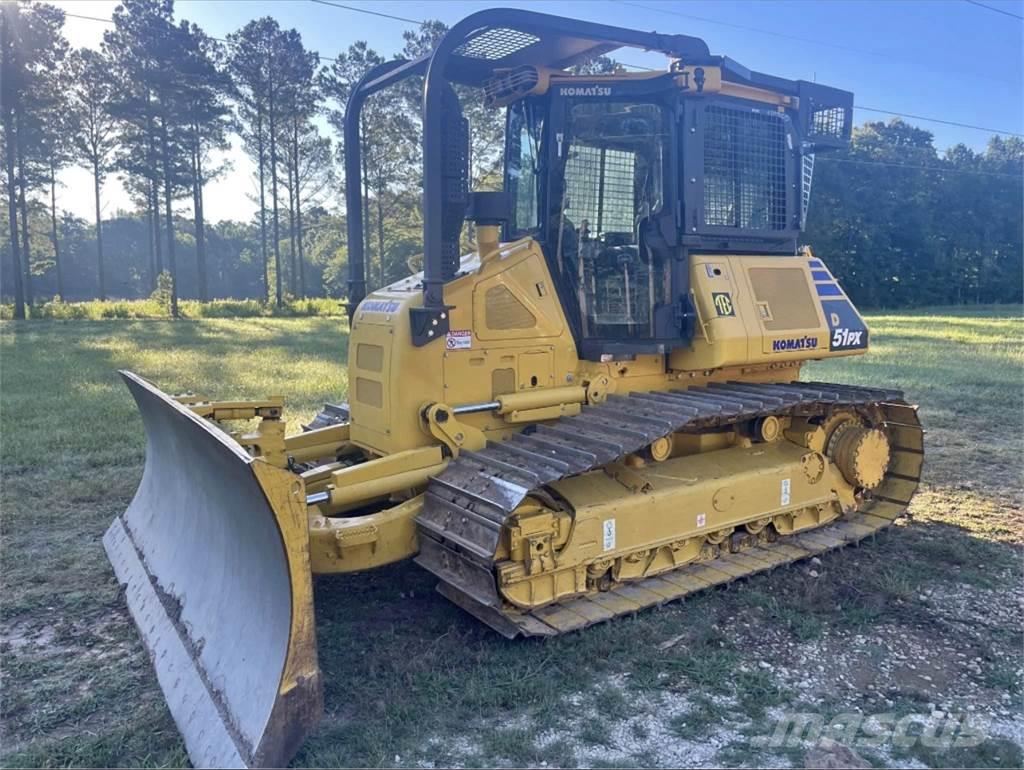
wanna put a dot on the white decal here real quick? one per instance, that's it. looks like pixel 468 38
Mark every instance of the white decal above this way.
pixel 378 306
pixel 585 91
pixel 459 339
pixel 609 534
pixel 847 338
pixel 702 520
pixel 784 496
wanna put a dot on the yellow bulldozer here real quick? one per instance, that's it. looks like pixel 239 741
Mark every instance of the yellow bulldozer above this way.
pixel 597 411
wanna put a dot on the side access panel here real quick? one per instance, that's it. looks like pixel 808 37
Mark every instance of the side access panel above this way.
pixel 770 309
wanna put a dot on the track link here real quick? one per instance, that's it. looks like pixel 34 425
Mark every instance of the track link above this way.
pixel 466 506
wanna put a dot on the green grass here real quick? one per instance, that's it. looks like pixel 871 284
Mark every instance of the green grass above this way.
pixel 99 310
pixel 407 674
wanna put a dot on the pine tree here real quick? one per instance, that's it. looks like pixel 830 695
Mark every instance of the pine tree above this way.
pixel 206 119
pixel 299 103
pixel 390 146
pixel 58 150
pixel 248 62
pixel 147 52
pixel 31 50
pixel 93 129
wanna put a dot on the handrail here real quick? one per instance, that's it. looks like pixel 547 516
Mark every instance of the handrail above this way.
pixel 372 81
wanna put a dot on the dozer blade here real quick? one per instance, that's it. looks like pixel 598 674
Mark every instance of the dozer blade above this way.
pixel 214 554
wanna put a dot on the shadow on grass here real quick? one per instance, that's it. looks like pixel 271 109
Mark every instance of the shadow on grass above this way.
pixel 430 671
pixel 402 667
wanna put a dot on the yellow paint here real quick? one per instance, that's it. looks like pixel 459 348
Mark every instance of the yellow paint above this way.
pixel 360 543
pixel 665 514
pixel 403 396
pixel 285 493
pixel 384 476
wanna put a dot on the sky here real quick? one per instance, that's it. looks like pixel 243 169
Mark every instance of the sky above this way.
pixel 955 60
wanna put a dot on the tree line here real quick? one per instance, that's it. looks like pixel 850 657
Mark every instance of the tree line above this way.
pixel 158 103
pixel 154 105
pixel 901 225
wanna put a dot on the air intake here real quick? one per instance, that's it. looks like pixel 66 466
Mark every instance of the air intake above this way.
pixel 508 85
pixel 496 43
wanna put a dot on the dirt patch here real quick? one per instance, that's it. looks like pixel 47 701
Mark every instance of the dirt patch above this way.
pixel 20 636
pixel 943 656
pixel 411 680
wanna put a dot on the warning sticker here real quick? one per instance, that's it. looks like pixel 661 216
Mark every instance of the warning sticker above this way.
pixel 784 494
pixel 458 339
pixel 609 534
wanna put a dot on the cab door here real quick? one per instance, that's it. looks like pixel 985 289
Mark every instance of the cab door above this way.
pixel 611 228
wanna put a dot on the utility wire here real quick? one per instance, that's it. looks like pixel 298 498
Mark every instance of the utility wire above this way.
pixel 652 69
pixel 625 64
pixel 914 166
pixel 366 10
pixel 994 9
pixel 787 36
pixel 889 112
pixel 87 18
pixel 110 21
pixel 937 120
pixel 640 67
pixel 808 40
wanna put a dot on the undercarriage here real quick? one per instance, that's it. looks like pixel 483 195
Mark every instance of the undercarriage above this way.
pixel 652 496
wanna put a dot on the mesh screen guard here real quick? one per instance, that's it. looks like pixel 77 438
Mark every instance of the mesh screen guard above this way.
pixel 744 169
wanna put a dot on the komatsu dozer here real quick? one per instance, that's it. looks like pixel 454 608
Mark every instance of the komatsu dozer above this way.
pixel 597 411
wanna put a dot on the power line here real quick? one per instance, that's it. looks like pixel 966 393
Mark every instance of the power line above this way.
pixel 916 167
pixel 87 18
pixel 625 64
pixel 652 69
pixel 421 22
pixel 111 21
pixel 936 120
pixel 892 112
pixel 785 35
pixel 996 10
pixel 809 40
pixel 366 10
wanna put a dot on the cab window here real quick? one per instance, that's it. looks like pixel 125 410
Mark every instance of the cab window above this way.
pixel 522 166
pixel 612 185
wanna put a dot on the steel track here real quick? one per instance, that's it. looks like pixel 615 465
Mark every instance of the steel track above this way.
pixel 466 506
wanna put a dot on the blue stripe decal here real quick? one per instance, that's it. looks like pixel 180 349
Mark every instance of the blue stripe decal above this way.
pixel 816 263
pixel 828 290
pixel 821 275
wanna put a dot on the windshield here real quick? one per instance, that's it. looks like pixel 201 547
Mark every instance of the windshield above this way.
pixel 612 184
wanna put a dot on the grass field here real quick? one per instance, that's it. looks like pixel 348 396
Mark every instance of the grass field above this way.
pixel 926 619
pixel 154 308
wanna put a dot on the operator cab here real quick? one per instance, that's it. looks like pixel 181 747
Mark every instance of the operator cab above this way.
pixel 619 177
